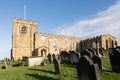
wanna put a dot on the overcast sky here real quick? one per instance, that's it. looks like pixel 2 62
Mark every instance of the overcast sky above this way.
pixel 82 18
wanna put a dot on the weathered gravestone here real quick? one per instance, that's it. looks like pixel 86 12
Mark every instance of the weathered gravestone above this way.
pixel 65 57
pixel 8 61
pixel 62 56
pixel 20 63
pixel 93 51
pixel 87 70
pixel 50 58
pixel 56 65
pixel 98 61
pixel 5 64
pixel 118 47
pixel 114 56
pixel 102 51
pixel 87 52
pixel 74 57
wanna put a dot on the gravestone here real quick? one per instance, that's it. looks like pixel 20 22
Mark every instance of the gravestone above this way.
pixel 114 56
pixel 62 56
pixel 92 50
pixel 18 61
pixel 97 48
pixel 98 61
pixel 65 57
pixel 87 70
pixel 43 63
pixel 74 57
pixel 87 52
pixel 8 61
pixel 102 51
pixel 5 64
pixel 56 65
pixel 59 58
pixel 118 47
pixel 50 58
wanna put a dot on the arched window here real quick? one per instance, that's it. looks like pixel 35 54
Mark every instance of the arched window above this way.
pixel 115 43
pixel 106 44
pixel 23 30
pixel 112 44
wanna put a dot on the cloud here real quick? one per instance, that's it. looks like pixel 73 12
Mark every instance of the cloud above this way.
pixel 104 22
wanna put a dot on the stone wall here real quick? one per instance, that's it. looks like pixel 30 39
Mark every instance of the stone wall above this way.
pixel 54 43
pixel 103 41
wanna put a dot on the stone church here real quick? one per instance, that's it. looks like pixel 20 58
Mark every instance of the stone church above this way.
pixel 27 42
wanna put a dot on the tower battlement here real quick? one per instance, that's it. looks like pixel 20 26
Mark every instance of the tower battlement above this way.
pixel 24 21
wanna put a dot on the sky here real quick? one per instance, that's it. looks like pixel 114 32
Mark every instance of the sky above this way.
pixel 81 18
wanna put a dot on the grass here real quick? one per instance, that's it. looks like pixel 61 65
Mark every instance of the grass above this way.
pixel 38 73
pixel 47 72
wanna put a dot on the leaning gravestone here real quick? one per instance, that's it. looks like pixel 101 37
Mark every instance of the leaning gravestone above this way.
pixel 74 57
pixel 98 61
pixel 56 65
pixel 114 56
pixel 49 58
pixel 87 70
pixel 87 52
pixel 92 50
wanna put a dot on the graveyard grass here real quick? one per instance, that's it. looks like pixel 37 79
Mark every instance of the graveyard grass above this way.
pixel 47 72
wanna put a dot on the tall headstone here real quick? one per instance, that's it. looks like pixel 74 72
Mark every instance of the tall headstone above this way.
pixel 97 47
pixel 5 63
pixel 50 58
pixel 87 70
pixel 98 61
pixel 62 54
pixel 74 57
pixel 56 65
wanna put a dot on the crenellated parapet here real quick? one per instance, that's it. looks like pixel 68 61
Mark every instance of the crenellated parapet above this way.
pixel 57 36
pixel 24 21
pixel 105 41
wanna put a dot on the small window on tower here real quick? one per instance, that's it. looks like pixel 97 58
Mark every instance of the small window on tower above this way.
pixel 23 30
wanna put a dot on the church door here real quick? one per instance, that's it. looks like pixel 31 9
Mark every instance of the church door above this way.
pixel 43 52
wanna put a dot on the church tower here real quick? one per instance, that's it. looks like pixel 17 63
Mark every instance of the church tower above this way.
pixel 23 39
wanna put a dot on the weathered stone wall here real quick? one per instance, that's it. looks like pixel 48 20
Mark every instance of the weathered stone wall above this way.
pixel 54 43
pixel 104 41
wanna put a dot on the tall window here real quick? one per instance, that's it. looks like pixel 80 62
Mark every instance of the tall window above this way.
pixel 66 42
pixel 23 30
pixel 106 44
pixel 55 44
pixel 77 45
